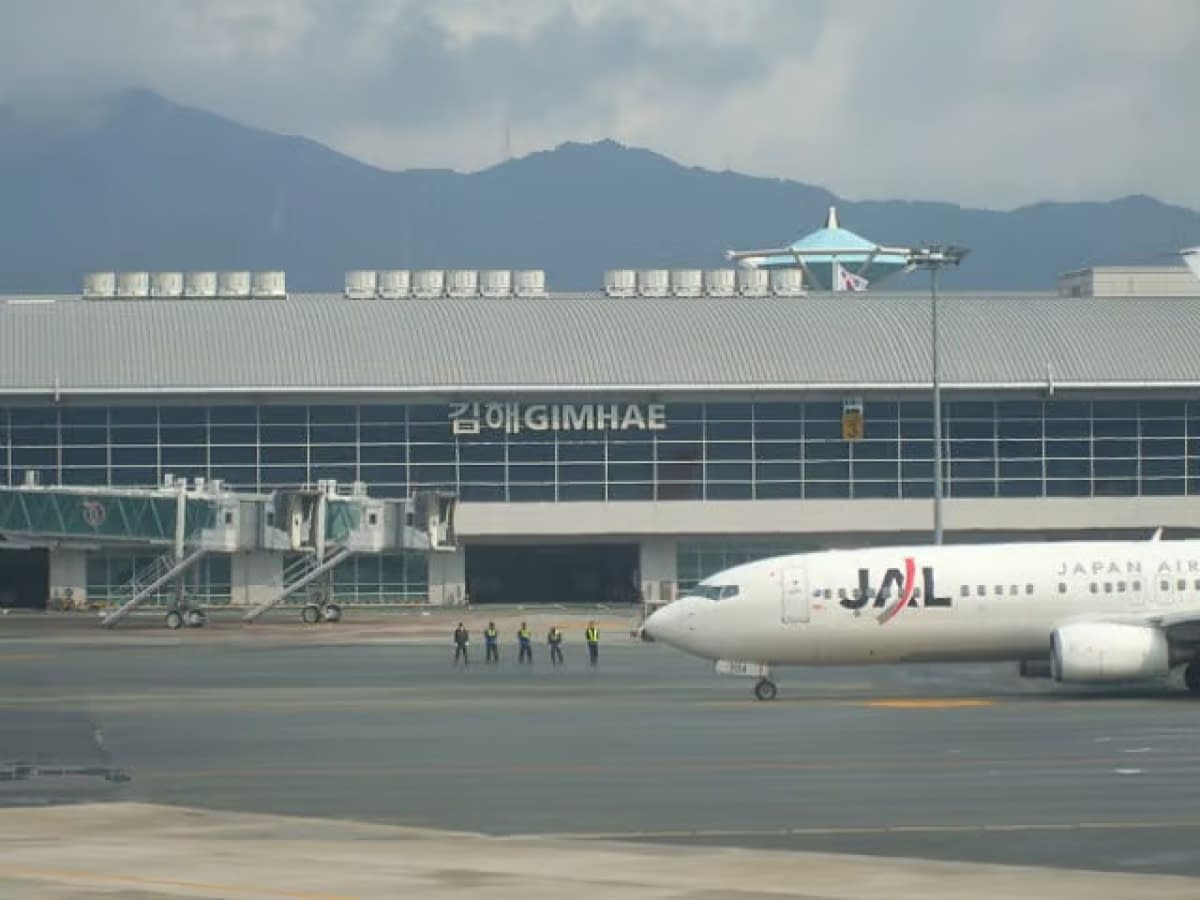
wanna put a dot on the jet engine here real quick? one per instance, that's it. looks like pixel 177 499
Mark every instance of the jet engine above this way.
pixel 1093 652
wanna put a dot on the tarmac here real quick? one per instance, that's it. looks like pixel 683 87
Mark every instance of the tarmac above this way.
pixel 646 776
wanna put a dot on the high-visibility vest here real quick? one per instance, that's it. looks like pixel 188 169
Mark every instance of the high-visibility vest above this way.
pixel 555 635
pixel 593 636
pixel 524 634
pixel 490 634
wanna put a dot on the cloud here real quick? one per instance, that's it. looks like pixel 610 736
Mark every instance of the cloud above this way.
pixel 993 104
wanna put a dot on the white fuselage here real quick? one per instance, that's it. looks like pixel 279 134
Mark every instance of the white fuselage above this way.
pixel 988 602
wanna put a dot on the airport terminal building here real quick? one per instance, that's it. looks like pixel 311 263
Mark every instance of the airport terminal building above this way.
pixel 607 449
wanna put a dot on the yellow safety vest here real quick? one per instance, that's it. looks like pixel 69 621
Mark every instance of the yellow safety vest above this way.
pixel 593 636
pixel 524 634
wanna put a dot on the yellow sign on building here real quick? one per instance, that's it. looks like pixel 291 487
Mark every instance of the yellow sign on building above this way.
pixel 852 421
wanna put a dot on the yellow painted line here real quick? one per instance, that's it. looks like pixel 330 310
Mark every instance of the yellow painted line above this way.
pixel 931 703
pixel 835 830
pixel 224 890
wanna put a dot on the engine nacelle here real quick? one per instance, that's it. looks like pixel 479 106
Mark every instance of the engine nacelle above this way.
pixel 1094 652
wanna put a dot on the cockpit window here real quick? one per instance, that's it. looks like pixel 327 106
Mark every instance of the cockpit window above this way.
pixel 715 591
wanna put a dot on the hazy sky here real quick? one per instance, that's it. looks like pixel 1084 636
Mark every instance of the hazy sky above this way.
pixel 984 103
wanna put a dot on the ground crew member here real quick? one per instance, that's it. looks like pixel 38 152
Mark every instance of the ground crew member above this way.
pixel 462 639
pixel 490 638
pixel 554 639
pixel 592 635
pixel 525 640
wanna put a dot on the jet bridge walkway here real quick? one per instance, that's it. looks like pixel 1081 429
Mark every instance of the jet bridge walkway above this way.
pixel 327 527
pixel 186 523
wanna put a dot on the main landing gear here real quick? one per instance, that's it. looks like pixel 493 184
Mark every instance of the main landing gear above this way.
pixel 764 689
pixel 1191 677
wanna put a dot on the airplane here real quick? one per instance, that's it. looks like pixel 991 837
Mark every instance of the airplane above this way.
pixel 1082 612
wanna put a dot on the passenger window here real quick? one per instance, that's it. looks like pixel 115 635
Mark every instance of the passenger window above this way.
pixel 1108 587
pixel 841 593
pixel 1062 587
pixel 964 591
pixel 1181 584
pixel 1013 590
pixel 827 594
pixel 999 590
pixel 1092 587
pixel 1198 584
pixel 981 591
pixel 1029 589
pixel 1120 587
pixel 1136 586
pixel 1164 585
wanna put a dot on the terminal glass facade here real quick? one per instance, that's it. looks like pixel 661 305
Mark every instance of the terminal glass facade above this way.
pixel 696 560
pixel 108 575
pixel 704 451
pixel 382 578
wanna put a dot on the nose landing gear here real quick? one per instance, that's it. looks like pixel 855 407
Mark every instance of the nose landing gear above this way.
pixel 764 689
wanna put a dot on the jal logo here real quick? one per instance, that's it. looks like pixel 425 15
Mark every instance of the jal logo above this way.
pixel 898 586
pixel 94 513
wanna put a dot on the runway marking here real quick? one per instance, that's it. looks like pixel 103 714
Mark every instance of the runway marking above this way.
pixel 930 703
pixel 841 830
pixel 138 880
pixel 1099 764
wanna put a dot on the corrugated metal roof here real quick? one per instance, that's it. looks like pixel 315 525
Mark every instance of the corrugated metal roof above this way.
pixel 324 342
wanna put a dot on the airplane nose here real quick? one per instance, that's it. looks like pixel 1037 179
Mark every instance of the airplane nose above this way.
pixel 667 623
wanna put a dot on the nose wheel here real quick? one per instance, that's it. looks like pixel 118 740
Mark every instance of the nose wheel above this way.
pixel 764 689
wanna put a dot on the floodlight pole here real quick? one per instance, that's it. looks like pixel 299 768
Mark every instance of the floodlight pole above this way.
pixel 937 407
pixel 933 259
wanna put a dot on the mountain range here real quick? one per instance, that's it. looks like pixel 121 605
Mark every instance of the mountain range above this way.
pixel 134 181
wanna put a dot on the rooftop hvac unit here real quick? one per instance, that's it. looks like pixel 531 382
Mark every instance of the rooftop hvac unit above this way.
pixel 268 284
pixel 495 283
pixel 99 284
pixel 233 284
pixel 428 283
pixel 620 282
pixel 133 284
pixel 686 283
pixel 720 282
pixel 654 282
pixel 200 284
pixel 392 284
pixel 462 283
pixel 360 284
pixel 529 282
pixel 166 284
pixel 753 282
pixel 787 282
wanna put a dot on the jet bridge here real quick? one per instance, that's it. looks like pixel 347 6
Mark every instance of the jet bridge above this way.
pixel 320 526
pixel 184 522
pixel 323 527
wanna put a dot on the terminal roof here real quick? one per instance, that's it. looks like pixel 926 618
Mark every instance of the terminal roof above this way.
pixel 319 343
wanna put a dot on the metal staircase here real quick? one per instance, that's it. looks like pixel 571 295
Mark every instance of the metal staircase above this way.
pixel 145 581
pixel 299 575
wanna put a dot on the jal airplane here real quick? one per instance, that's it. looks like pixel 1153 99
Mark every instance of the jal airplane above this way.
pixel 1081 612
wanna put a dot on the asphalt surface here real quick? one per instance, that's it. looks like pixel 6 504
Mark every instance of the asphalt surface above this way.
pixel 952 762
